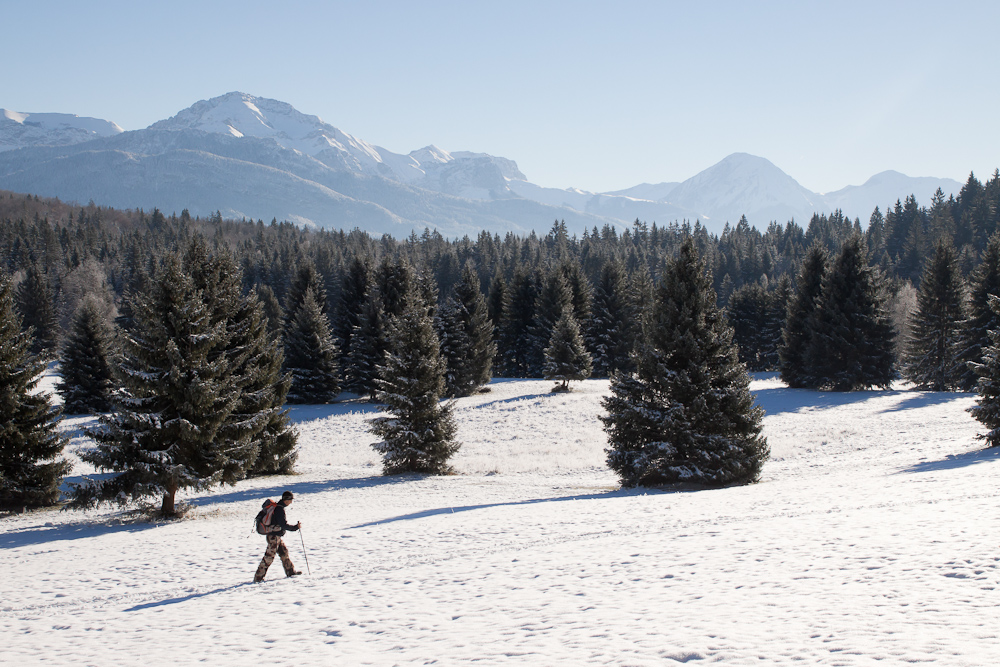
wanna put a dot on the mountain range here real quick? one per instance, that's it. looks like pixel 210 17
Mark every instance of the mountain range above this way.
pixel 259 158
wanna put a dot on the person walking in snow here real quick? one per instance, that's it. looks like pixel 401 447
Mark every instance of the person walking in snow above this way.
pixel 275 545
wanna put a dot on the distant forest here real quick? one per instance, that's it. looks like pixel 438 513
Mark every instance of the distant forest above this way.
pixel 104 253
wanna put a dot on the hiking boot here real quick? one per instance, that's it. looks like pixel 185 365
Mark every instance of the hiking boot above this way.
pixel 294 573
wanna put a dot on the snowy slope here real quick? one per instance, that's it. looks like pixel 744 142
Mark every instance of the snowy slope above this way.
pixel 20 130
pixel 870 540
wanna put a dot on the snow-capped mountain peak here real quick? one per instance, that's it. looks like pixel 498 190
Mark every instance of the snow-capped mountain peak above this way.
pixel 20 130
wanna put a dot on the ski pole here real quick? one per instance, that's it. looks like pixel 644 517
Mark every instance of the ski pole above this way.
pixel 304 555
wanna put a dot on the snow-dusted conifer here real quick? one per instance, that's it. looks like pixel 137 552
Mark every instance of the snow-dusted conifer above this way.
pixel 686 414
pixel 466 337
pixel 609 335
pixel 554 297
pixel 311 354
pixel 974 335
pixel 31 469
pixel 85 364
pixel 514 338
pixel 418 434
pixel 795 337
pixel 850 335
pixel 748 315
pixel 987 410
pixel 176 392
pixel 36 303
pixel 566 357
pixel 354 292
pixel 930 360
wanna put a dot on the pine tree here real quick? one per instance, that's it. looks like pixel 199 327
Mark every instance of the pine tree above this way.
pixel 36 303
pixel 176 393
pixel 467 337
pixel 311 354
pixel 795 337
pixel 686 414
pixel 748 315
pixel 930 360
pixel 418 436
pixel 85 365
pixel 31 469
pixel 850 334
pixel 777 314
pixel 974 332
pixel 354 292
pixel 554 297
pixel 987 410
pixel 609 334
pixel 516 327
pixel 566 357
pixel 262 438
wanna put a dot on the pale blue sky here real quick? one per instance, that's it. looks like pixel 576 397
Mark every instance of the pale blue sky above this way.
pixel 595 95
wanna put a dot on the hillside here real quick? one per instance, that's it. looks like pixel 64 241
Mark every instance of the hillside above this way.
pixel 870 539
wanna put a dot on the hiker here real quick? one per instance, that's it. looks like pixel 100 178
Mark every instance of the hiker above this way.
pixel 274 542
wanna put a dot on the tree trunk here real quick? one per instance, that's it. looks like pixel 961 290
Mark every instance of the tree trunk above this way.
pixel 167 508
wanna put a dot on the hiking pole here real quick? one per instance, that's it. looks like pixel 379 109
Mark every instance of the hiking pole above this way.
pixel 304 554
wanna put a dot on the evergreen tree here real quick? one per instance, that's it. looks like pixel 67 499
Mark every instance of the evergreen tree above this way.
pixel 311 354
pixel 262 436
pixel 497 304
pixel 987 410
pixel 777 313
pixel 566 357
pixel 851 336
pixel 36 303
pixel 418 435
pixel 795 337
pixel 31 469
pixel 368 347
pixel 930 360
pixel 748 315
pixel 176 393
pixel 609 334
pixel 354 292
pixel 515 329
pixel 306 278
pixel 686 414
pixel 973 335
pixel 467 337
pixel 85 366
pixel 554 297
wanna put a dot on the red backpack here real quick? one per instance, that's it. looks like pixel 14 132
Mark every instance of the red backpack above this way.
pixel 263 521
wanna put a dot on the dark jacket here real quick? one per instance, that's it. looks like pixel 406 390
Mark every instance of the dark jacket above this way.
pixel 278 519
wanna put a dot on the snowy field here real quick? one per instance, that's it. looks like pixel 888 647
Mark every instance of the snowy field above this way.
pixel 872 539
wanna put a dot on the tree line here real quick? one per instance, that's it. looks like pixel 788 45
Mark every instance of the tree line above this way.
pixel 280 313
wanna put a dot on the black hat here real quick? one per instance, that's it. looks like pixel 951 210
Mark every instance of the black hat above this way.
pixel 287 495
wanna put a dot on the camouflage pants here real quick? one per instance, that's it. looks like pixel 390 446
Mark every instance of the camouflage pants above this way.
pixel 275 545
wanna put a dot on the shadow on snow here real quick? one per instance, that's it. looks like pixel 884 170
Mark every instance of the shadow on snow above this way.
pixel 784 399
pixel 955 461
pixel 618 493
pixel 161 603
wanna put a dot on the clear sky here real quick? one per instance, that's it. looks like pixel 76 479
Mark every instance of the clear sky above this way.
pixel 595 95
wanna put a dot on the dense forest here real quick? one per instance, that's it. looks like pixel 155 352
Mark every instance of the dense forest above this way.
pixel 196 332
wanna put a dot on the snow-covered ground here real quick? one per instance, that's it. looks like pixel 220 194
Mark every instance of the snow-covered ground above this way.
pixel 872 538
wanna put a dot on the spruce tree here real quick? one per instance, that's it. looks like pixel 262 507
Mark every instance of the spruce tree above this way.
pixel 176 392
pixel 467 337
pixel 31 469
pixel 850 335
pixel 566 357
pixel 418 435
pixel 930 360
pixel 311 354
pixel 554 297
pixel 515 336
pixel 987 409
pixel 973 336
pixel 686 414
pixel 795 337
pixel 354 292
pixel 609 335
pixel 86 363
pixel 777 314
pixel 748 315
pixel 36 303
